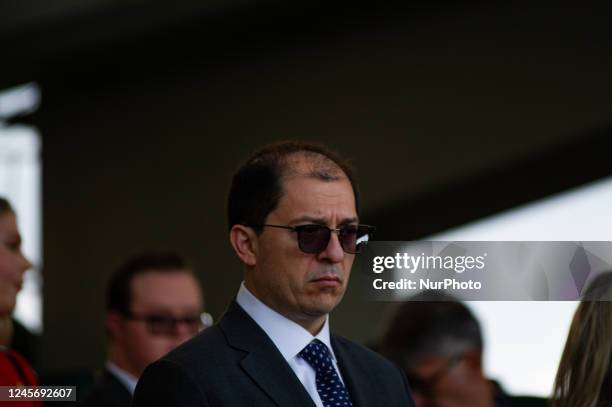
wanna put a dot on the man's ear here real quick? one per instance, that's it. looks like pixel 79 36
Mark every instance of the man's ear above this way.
pixel 113 322
pixel 473 358
pixel 244 242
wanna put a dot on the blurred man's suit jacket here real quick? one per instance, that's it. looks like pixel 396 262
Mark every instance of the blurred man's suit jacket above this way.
pixel 108 392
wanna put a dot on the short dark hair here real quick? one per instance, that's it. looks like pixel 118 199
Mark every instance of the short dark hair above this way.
pixel 257 185
pixel 5 206
pixel 430 323
pixel 119 287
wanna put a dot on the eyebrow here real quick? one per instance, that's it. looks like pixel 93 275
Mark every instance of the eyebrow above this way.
pixel 322 221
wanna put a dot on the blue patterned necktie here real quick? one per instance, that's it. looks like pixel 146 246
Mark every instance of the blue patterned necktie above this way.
pixel 330 387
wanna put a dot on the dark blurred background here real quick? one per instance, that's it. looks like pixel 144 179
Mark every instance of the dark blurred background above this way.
pixel 449 110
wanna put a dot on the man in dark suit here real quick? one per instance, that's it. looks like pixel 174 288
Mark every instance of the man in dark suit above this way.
pixel 153 304
pixel 293 219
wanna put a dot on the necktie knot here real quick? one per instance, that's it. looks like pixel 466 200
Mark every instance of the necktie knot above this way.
pixel 318 356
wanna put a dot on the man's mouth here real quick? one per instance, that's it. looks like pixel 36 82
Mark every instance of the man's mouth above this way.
pixel 327 281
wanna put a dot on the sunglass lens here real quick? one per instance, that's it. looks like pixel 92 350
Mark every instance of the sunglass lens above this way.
pixel 313 238
pixel 160 325
pixel 348 237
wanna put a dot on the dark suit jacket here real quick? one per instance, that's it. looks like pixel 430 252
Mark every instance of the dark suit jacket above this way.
pixel 108 392
pixel 234 363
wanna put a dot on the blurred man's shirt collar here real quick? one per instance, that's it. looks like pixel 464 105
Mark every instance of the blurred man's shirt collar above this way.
pixel 124 377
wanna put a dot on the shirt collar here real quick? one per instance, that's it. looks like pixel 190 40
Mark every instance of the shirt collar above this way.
pixel 124 377
pixel 289 337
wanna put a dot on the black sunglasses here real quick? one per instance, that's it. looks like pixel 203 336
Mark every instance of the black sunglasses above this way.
pixel 313 238
pixel 166 325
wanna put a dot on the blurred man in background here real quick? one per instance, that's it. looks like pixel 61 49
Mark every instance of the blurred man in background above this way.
pixel 437 341
pixel 153 304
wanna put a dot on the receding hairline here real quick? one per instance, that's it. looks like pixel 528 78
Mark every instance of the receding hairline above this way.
pixel 262 180
pixel 311 164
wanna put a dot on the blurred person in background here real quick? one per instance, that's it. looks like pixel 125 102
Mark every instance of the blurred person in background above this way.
pixel 437 341
pixel 153 304
pixel 14 369
pixel 584 377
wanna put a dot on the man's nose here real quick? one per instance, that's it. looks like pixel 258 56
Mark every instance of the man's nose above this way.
pixel 25 263
pixel 333 252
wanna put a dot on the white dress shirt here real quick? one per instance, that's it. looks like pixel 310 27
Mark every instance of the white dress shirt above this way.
pixel 289 337
pixel 124 377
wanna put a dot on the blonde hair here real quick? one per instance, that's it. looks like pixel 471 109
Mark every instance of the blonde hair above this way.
pixel 586 363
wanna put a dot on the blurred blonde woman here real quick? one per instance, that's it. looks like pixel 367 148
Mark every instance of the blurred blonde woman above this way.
pixel 14 370
pixel 584 378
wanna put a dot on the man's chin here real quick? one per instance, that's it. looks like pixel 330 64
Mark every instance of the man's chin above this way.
pixel 7 305
pixel 324 304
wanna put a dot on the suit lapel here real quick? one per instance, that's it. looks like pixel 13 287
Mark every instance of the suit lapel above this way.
pixel 361 386
pixel 115 389
pixel 263 363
